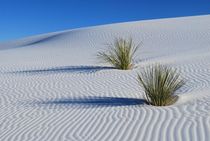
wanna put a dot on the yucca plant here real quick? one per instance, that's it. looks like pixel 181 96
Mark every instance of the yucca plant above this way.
pixel 160 83
pixel 120 54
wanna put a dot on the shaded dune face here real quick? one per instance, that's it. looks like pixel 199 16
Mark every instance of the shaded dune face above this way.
pixel 53 87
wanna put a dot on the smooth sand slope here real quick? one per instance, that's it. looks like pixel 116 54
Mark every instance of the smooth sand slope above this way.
pixel 52 88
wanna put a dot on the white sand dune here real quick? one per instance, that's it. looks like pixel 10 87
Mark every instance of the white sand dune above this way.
pixel 52 88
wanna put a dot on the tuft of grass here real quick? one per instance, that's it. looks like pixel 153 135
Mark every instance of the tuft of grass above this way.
pixel 120 54
pixel 159 84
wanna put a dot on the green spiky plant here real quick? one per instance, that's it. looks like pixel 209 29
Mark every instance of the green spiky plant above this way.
pixel 120 54
pixel 160 83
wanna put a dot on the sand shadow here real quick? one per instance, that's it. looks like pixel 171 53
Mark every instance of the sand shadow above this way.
pixel 66 69
pixel 42 39
pixel 97 101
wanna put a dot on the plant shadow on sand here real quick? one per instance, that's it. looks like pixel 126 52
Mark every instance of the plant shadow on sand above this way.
pixel 66 69
pixel 96 102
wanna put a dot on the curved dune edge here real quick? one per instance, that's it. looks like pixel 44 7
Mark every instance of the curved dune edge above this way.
pixel 53 88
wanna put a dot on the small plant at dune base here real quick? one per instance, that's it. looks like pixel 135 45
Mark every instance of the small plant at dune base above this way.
pixel 159 84
pixel 120 54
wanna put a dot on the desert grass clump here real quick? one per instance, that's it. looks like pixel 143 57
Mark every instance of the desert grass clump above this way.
pixel 120 54
pixel 160 83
